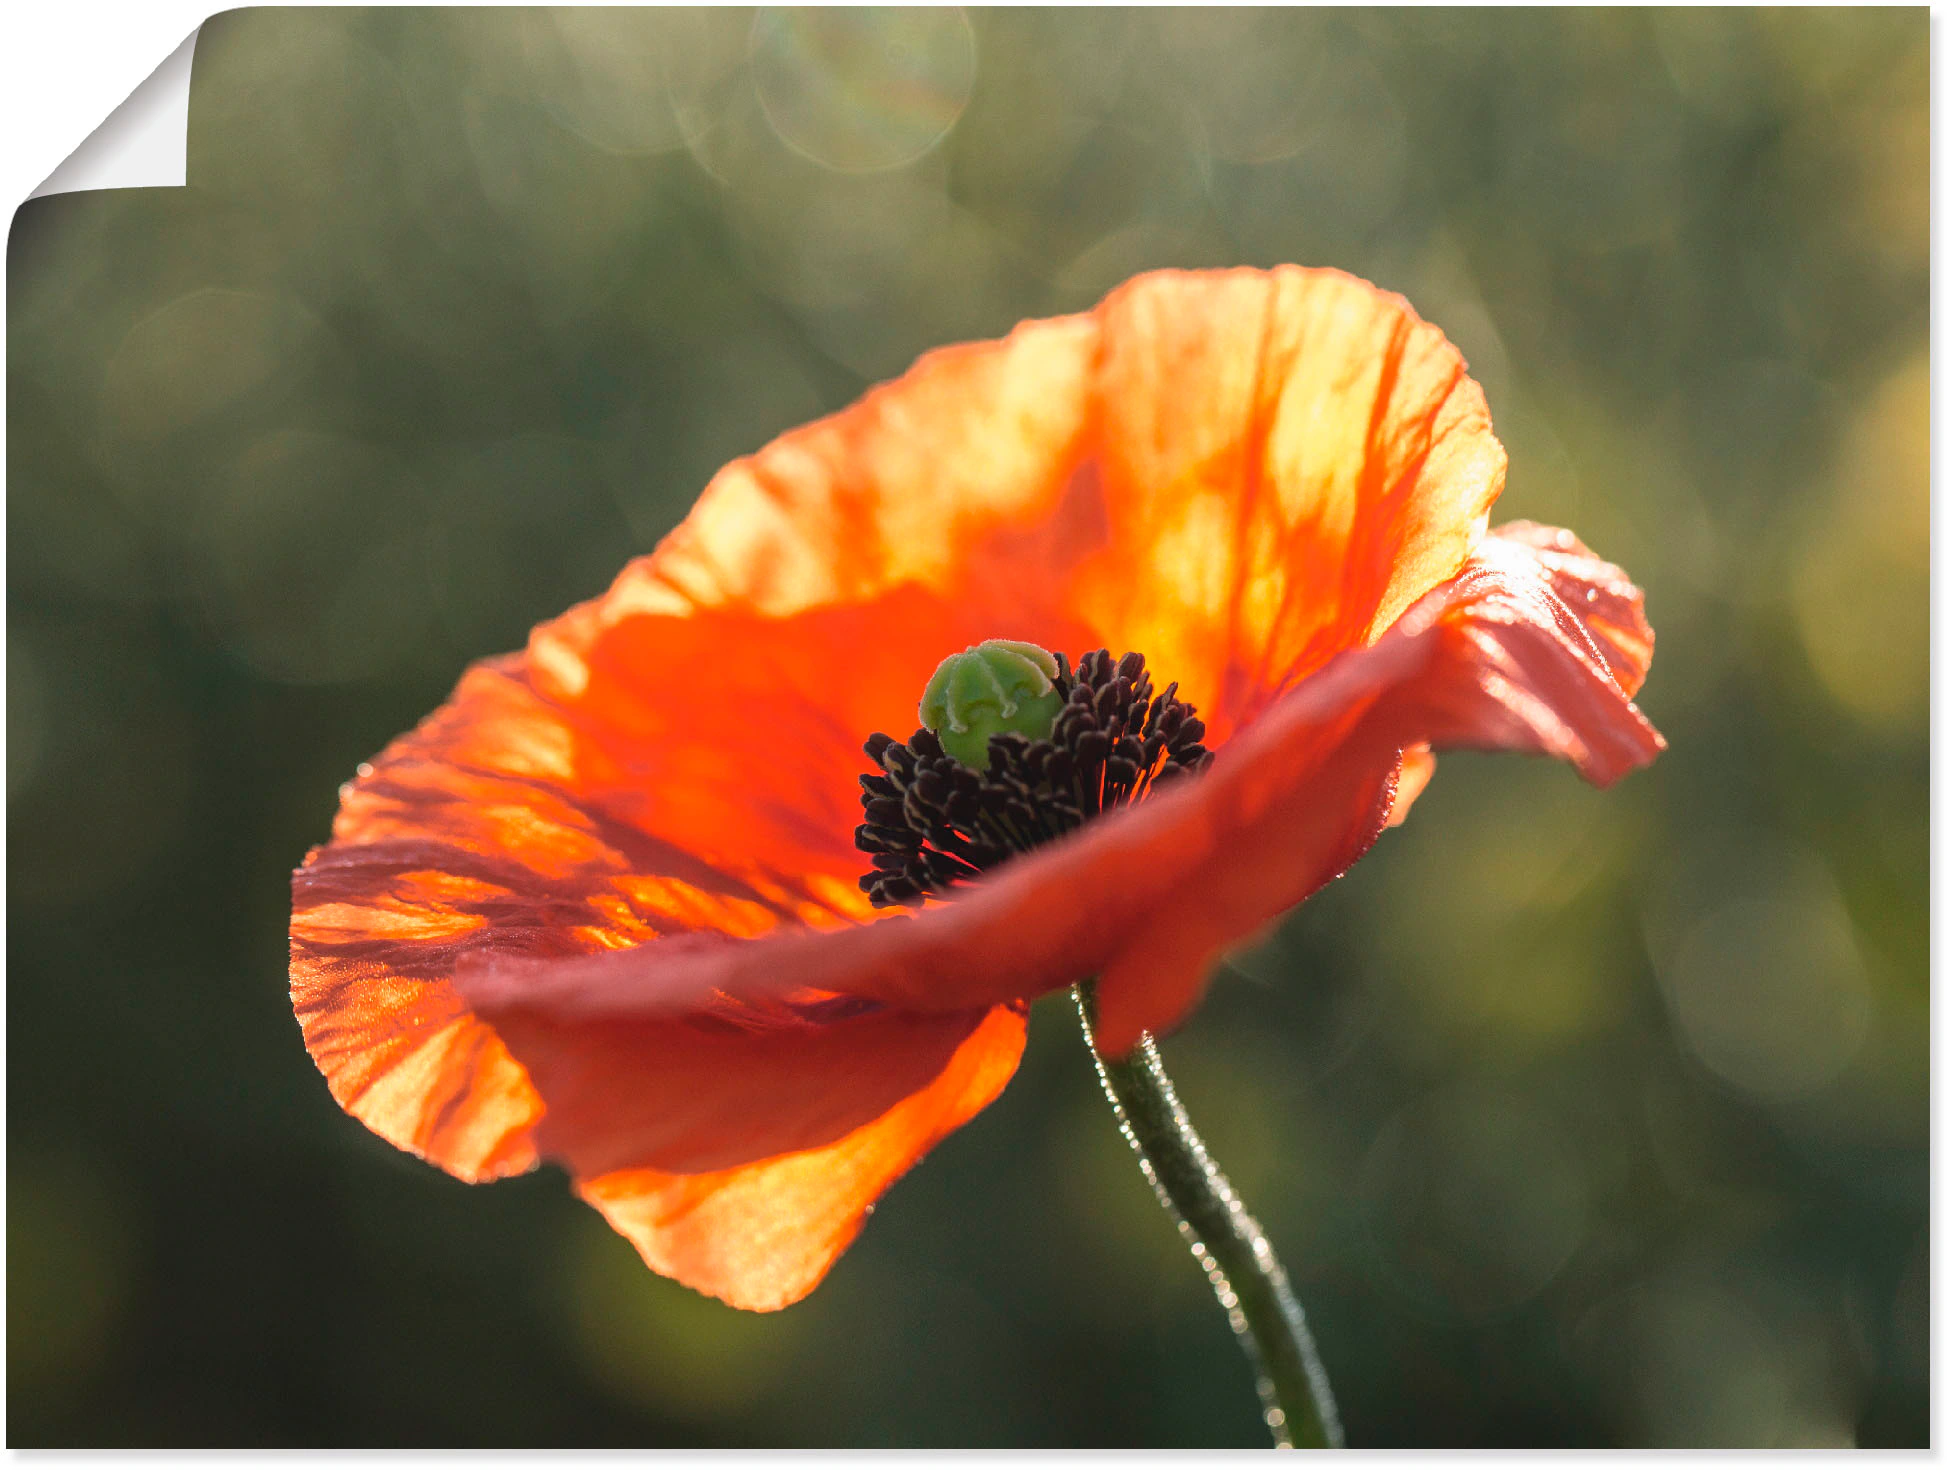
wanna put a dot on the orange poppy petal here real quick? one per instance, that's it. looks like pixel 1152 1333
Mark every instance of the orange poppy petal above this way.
pixel 761 1235
pixel 512 822
pixel 1147 898
pixel 520 822
pixel 723 1086
pixel 1241 473
pixel 1290 458
pixel 956 480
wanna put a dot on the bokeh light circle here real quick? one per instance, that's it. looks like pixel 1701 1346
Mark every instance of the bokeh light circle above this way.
pixel 860 90
pixel 1770 992
pixel 1476 1201
pixel 600 72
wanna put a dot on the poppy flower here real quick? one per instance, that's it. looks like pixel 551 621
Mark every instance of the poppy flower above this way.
pixel 603 906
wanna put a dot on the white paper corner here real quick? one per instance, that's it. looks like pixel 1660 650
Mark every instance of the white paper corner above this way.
pixel 143 144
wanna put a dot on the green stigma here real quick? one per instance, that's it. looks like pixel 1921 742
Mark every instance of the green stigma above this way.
pixel 992 688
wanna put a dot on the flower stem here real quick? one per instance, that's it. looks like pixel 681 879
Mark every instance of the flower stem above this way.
pixel 1230 1246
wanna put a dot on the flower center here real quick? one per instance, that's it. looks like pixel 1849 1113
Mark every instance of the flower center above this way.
pixel 934 820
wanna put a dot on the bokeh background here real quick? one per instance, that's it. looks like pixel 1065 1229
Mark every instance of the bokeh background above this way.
pixel 1580 1118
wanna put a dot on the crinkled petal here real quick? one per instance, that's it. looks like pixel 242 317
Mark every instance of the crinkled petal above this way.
pixel 1147 898
pixel 1607 605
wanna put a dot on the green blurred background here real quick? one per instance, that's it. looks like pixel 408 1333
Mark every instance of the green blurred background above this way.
pixel 1580 1118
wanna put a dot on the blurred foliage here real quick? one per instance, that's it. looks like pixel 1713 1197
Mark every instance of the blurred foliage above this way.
pixel 1581 1118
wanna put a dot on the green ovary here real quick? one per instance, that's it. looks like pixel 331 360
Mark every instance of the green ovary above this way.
pixel 993 688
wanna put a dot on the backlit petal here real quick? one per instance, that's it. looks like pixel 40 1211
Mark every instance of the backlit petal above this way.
pixel 1241 473
pixel 1289 459
pixel 513 823
pixel 763 1234
pixel 1147 898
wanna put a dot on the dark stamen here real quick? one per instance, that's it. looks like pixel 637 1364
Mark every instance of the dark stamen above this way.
pixel 932 823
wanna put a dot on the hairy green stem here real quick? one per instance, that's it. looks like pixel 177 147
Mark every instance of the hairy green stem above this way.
pixel 1244 1272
